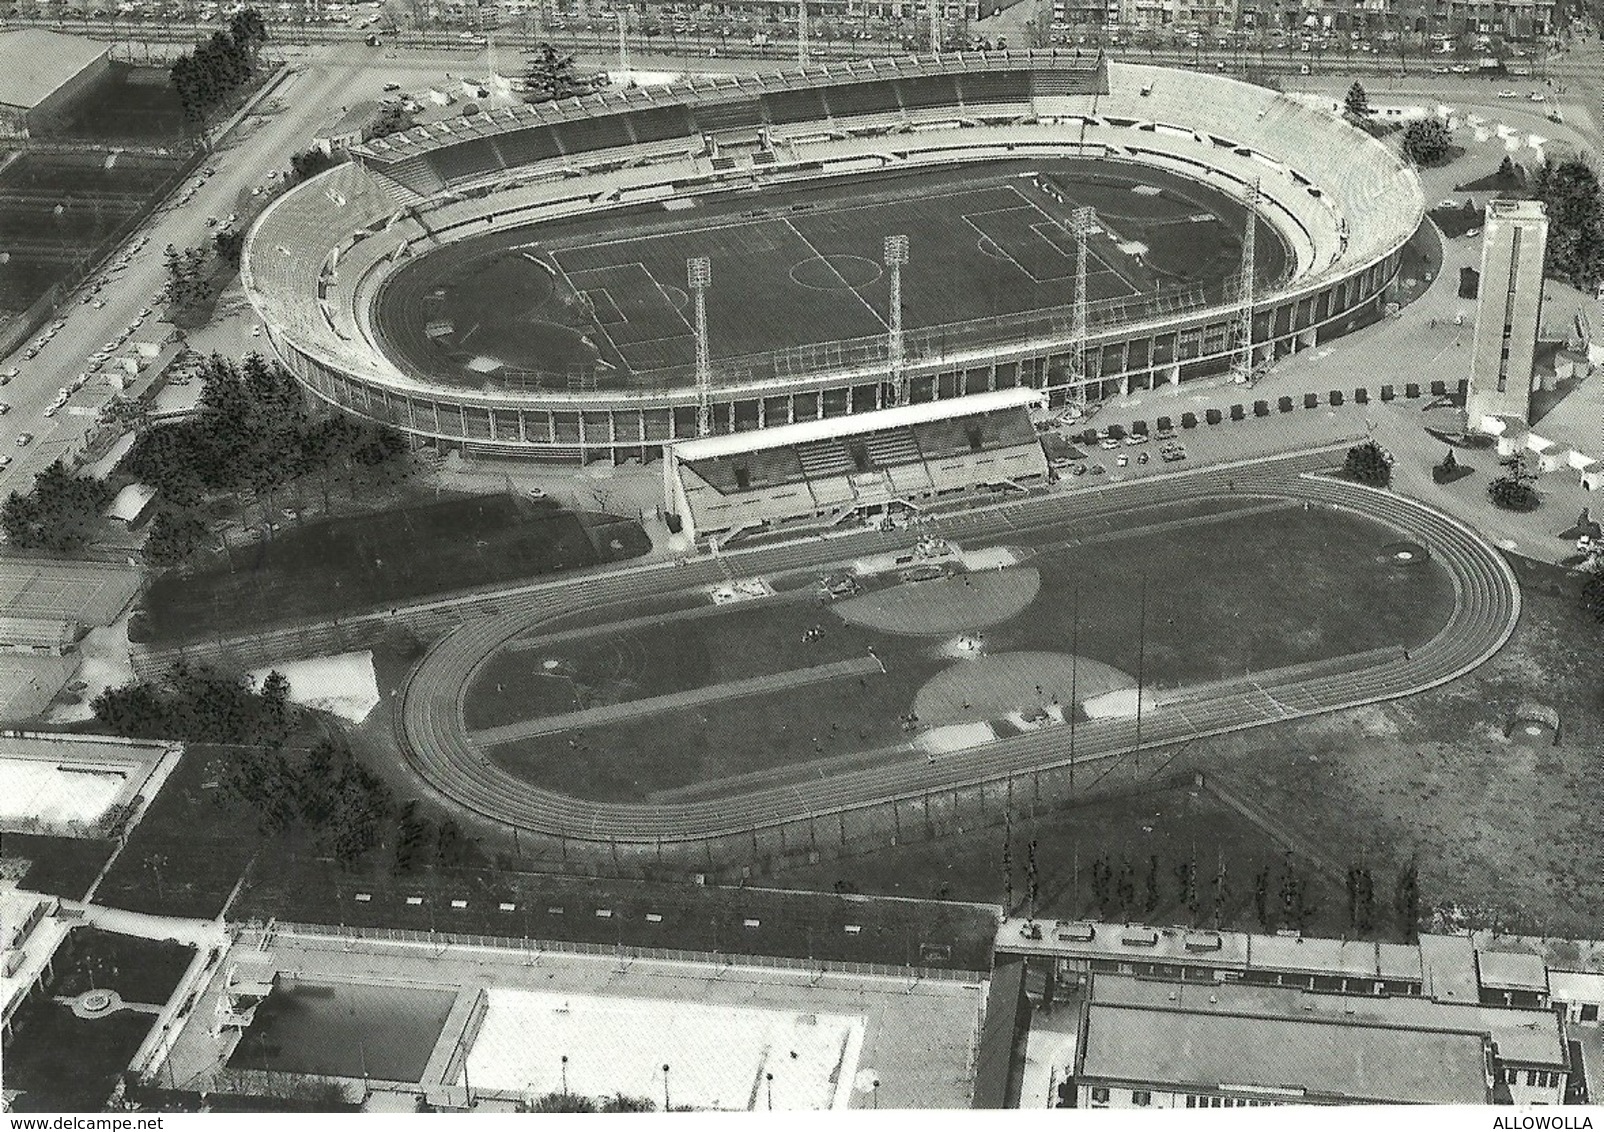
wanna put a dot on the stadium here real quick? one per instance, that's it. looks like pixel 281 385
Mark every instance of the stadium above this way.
pixel 514 283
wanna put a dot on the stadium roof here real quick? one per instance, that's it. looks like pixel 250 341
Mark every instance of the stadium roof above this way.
pixel 35 63
pixel 1275 1058
pixel 782 436
pixel 705 89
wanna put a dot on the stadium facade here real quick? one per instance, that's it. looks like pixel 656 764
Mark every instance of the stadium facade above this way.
pixel 317 259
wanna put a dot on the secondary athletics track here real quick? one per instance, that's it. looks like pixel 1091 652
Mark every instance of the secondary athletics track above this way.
pixel 437 743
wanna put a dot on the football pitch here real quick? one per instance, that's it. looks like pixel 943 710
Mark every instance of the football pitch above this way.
pixel 798 268
pixel 672 704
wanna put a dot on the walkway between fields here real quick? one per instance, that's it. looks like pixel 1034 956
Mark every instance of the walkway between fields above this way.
pixel 695 697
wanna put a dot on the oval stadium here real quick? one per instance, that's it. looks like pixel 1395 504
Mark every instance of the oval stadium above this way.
pixel 515 283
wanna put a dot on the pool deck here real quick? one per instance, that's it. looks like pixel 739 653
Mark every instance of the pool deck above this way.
pixel 919 1036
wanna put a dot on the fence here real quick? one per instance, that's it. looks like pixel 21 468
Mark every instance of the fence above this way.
pixel 304 933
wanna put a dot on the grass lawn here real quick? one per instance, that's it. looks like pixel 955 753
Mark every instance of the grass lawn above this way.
pixel 693 917
pixel 1175 825
pixel 987 241
pixel 1505 833
pixel 1241 593
pixel 60 866
pixel 65 1064
pixel 197 848
pixel 141 970
pixel 346 565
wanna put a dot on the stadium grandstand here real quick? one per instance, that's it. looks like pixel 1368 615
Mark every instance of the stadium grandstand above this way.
pixel 318 260
pixel 865 465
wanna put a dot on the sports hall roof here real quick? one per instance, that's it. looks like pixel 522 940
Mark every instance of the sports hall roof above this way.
pixel 781 436
pixel 35 63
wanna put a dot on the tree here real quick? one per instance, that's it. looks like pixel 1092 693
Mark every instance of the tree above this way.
pixel 562 1102
pixel 621 1103
pixel 1261 896
pixel 551 76
pixel 1357 104
pixel 229 243
pixel 1571 198
pixel 1150 904
pixel 275 695
pixel 1593 596
pixel 1406 902
pixel 59 515
pixel 1426 142
pixel 1513 495
pixel 1370 464
pixel 175 535
pixel 310 163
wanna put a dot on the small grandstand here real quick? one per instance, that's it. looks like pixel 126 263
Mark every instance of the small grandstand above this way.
pixel 1343 203
pixel 865 465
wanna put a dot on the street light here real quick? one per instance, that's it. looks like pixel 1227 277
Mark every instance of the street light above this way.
pixel 769 1080
pixel 565 1074
pixel 666 1107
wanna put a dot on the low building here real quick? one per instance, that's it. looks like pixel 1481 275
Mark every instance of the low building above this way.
pixel 33 930
pixel 1233 1040
pixel 132 504
pixel 1513 978
pixel 349 129
pixel 1146 1044
pixel 1579 995
pixel 856 466
pixel 42 73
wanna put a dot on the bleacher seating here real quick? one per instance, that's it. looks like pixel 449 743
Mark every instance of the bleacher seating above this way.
pixel 821 458
pixel 586 135
pixel 415 172
pixel 875 97
pixel 739 114
pixel 786 106
pixel 465 161
pixel 527 146
pixel 661 123
pixel 765 467
pixel 891 448
pixel 931 90
pixel 994 87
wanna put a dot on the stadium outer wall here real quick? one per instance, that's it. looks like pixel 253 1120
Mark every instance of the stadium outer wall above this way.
pixel 1335 287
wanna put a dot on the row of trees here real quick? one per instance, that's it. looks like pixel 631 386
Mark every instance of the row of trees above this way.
pixel 200 706
pixel 251 435
pixel 324 792
pixel 207 77
pixel 1569 191
pixel 551 76
pixel 58 515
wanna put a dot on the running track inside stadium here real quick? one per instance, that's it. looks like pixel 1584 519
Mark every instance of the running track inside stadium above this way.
pixel 1486 608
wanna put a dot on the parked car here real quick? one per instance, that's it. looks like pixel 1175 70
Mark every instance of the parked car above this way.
pixel 5 407
pixel 5 459
pixel 1108 443
pixel 24 439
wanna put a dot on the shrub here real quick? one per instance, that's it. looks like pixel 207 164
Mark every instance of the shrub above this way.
pixel 1370 464
pixel 1513 494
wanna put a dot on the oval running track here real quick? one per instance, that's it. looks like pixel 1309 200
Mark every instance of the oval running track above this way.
pixel 434 734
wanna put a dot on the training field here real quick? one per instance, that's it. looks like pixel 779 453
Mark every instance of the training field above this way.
pixel 673 703
pixel 797 268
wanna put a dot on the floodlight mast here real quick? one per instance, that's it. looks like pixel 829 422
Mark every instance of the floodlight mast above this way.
pixel 699 272
pixel 896 257
pixel 802 34
pixel 1242 328
pixel 1081 222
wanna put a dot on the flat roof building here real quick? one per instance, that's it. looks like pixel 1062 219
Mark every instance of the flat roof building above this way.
pixel 41 72
pixel 1146 1044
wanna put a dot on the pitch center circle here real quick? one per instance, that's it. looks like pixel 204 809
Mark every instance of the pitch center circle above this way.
pixel 835 272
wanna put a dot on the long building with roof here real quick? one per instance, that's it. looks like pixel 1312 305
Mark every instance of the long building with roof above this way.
pixel 41 74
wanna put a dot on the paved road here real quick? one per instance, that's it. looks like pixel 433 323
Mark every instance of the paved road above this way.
pixel 436 743
pixel 242 160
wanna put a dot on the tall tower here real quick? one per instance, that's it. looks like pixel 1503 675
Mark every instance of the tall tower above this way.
pixel 1080 223
pixel 699 272
pixel 1242 324
pixel 935 27
pixel 896 256
pixel 1508 307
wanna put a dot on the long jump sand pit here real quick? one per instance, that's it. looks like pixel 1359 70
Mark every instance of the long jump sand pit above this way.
pixel 719 1057
pixel 993 686
pixel 950 604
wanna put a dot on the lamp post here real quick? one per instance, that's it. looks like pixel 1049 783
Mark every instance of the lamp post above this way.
pixel 666 1106
pixel 565 1074
pixel 875 1087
